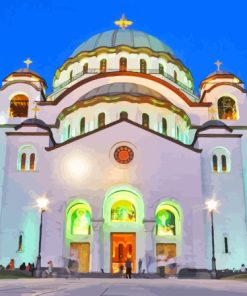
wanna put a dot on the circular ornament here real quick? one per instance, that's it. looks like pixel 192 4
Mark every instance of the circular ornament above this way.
pixel 123 154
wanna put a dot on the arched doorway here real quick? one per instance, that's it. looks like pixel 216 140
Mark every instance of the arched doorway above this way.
pixel 79 232
pixel 168 230
pixel 123 214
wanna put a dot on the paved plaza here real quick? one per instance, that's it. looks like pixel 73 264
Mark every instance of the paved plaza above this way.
pixel 121 287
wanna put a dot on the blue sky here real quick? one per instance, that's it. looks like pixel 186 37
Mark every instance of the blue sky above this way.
pixel 198 32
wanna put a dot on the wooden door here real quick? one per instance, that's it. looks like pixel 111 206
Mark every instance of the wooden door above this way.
pixel 82 252
pixel 123 246
pixel 167 249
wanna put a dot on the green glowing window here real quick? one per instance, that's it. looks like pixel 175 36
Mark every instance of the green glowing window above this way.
pixel 165 223
pixel 123 211
pixel 80 221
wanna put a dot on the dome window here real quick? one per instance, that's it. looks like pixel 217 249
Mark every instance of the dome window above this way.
pixel 101 119
pixel 143 66
pixel 103 66
pixel 175 76
pixel 123 115
pixel 123 64
pixel 85 68
pixel 19 106
pixel 164 126
pixel 227 109
pixel 161 69
pixel 145 120
pixel 82 126
pixel 71 75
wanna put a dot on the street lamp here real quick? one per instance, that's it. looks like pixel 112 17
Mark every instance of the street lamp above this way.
pixel 212 206
pixel 42 204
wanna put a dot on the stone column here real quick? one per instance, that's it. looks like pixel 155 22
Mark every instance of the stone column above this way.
pixel 97 224
pixel 150 246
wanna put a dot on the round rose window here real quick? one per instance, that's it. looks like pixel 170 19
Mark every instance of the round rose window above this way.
pixel 123 154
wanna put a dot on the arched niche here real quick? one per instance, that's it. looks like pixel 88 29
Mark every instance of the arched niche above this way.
pixel 168 218
pixel 78 218
pixel 123 205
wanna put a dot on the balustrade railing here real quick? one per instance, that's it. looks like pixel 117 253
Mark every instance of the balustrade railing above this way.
pixel 149 71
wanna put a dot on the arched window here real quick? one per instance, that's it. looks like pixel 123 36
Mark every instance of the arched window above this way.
pixel 68 132
pixel 178 133
pixel 175 76
pixel 221 161
pixel 71 75
pixel 101 119
pixel 23 161
pixel 82 125
pixel 32 162
pixel 215 163
pixel 26 159
pixel 20 247
pixel 143 66
pixel 161 69
pixel 18 106
pixel 145 120
pixel 103 65
pixel 123 115
pixel 123 64
pixel 85 68
pixel 165 222
pixel 164 126
pixel 79 220
pixel 123 211
pixel 227 109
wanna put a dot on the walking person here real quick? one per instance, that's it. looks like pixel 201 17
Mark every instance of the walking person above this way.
pixel 161 263
pixel 140 266
pixel 128 265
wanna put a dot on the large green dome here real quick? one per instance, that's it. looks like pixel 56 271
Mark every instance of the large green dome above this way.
pixel 131 38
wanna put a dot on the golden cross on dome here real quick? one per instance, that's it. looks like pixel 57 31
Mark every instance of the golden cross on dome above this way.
pixel 218 64
pixel 35 109
pixel 28 62
pixel 212 111
pixel 123 22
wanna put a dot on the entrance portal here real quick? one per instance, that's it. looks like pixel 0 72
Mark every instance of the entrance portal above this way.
pixel 123 246
pixel 168 250
pixel 82 252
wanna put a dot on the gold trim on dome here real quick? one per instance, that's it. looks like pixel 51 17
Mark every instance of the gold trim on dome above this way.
pixel 86 54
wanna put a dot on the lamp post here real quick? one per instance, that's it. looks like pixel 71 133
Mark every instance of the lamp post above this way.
pixel 42 204
pixel 212 206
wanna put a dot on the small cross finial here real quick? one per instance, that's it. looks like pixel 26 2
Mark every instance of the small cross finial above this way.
pixel 28 62
pixel 218 64
pixel 35 110
pixel 212 111
pixel 123 22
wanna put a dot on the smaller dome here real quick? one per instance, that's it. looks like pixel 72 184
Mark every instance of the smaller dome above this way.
pixel 33 122
pixel 27 70
pixel 220 72
pixel 213 124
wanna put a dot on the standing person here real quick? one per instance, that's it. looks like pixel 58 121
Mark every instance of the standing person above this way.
pixel 161 263
pixel 140 266
pixel 49 269
pixel 128 268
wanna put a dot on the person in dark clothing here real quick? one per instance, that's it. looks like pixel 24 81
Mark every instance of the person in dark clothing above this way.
pixel 128 266
pixel 23 266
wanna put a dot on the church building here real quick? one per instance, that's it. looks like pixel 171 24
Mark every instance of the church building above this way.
pixel 128 155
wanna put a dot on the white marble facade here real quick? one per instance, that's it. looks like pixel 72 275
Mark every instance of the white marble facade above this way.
pixel 186 149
